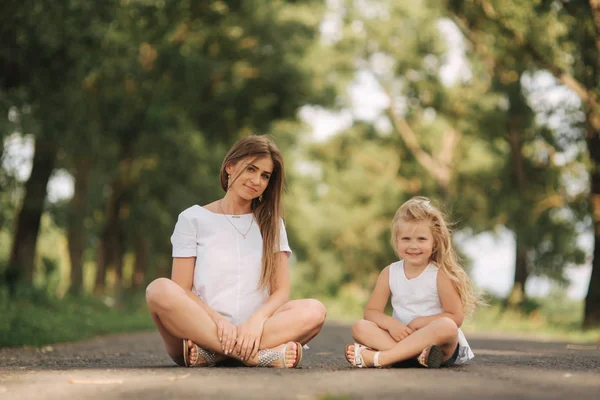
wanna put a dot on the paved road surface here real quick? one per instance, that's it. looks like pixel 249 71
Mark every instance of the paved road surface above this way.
pixel 134 366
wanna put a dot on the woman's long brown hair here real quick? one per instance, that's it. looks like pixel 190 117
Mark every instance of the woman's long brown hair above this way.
pixel 269 211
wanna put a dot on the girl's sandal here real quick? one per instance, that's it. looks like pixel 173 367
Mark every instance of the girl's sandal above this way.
pixel 359 361
pixel 267 357
pixel 431 357
pixel 204 358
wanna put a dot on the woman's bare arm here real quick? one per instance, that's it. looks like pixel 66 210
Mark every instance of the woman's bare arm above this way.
pixel 182 273
pixel 280 292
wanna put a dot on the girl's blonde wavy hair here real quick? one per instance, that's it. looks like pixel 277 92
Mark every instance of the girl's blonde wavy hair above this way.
pixel 443 255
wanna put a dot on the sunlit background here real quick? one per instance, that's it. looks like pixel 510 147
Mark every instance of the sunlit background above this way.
pixel 118 115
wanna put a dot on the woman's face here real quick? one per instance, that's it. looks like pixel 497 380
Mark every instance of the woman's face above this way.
pixel 253 176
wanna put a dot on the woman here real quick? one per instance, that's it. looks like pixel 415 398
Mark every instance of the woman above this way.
pixel 228 296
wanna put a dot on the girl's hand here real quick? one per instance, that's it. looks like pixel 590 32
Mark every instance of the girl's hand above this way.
pixel 417 323
pixel 399 331
pixel 249 335
pixel 227 333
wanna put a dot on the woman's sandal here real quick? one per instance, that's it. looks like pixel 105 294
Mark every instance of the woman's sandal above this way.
pixel 359 361
pixel 267 357
pixel 204 358
pixel 431 357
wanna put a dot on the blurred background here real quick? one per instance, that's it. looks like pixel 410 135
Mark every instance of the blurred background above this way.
pixel 116 115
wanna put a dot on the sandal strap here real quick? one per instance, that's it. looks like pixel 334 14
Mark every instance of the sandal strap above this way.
pixel 376 360
pixel 210 357
pixel 358 359
pixel 267 357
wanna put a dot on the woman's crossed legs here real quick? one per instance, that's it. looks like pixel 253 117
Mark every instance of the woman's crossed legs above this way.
pixel 172 311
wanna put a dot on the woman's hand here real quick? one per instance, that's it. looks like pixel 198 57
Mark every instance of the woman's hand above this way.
pixel 417 323
pixel 399 331
pixel 249 335
pixel 227 333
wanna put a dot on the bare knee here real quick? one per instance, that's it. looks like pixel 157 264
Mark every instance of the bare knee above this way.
pixel 314 313
pixel 446 329
pixel 161 293
pixel 361 328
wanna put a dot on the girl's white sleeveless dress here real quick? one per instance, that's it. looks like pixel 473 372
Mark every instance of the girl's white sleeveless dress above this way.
pixel 418 297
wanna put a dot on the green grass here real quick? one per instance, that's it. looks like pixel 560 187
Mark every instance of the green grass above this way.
pixel 34 319
pixel 554 317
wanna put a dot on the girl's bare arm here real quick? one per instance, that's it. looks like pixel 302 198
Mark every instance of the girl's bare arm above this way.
pixel 450 301
pixel 374 311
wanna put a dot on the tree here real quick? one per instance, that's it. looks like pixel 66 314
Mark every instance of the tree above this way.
pixel 561 37
pixel 53 36
pixel 204 74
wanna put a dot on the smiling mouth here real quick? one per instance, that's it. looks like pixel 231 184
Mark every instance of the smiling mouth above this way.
pixel 251 189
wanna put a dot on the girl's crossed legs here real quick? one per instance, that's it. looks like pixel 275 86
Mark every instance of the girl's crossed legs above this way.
pixel 442 332
pixel 172 311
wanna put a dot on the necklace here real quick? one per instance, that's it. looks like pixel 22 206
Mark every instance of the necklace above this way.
pixel 234 227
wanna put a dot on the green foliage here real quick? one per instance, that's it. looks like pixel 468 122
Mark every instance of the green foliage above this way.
pixel 33 318
pixel 353 184
pixel 349 203
pixel 334 397
pixel 140 100
pixel 146 98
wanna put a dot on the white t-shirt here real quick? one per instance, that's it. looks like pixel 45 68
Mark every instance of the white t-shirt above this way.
pixel 418 297
pixel 228 267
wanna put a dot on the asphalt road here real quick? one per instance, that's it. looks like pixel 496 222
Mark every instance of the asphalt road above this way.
pixel 135 366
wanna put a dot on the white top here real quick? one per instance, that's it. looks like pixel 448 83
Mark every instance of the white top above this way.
pixel 228 267
pixel 418 297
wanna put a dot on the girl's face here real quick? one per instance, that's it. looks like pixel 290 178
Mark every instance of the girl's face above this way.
pixel 253 178
pixel 415 243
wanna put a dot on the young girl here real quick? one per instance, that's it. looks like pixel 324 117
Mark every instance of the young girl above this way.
pixel 228 296
pixel 430 292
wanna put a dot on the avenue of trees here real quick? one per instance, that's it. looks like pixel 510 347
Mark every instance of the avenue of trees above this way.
pixel 491 107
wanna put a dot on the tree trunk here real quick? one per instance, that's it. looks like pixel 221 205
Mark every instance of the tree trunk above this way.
pixel 76 230
pixel 109 242
pixel 113 234
pixel 141 261
pixel 100 281
pixel 119 253
pixel 517 294
pixel 22 256
pixel 592 299
pixel 515 127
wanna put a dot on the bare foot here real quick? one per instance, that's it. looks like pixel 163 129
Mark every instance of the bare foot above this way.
pixel 291 358
pixel 192 353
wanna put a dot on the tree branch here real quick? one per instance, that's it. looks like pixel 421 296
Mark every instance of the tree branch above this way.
pixel 449 144
pixel 440 172
pixel 480 48
pixel 595 6
pixel 586 96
